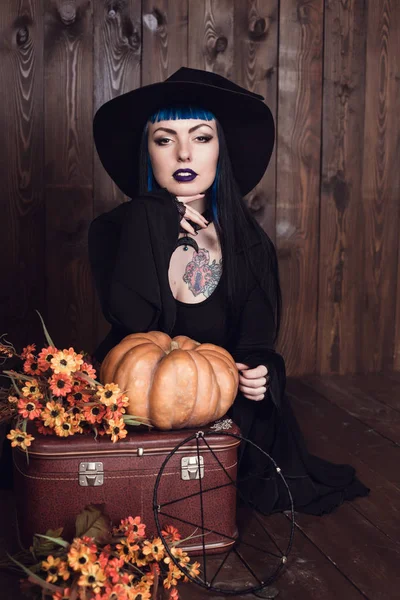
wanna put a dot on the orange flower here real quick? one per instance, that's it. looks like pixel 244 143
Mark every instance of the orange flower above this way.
pixel 64 595
pixel 108 393
pixel 66 361
pixel 171 533
pixel 45 357
pixel 154 550
pixel 133 525
pixel 28 351
pixel 6 350
pixel 78 395
pixel 116 592
pixel 53 414
pixel 116 428
pixel 93 577
pixel 13 399
pixel 88 369
pixel 112 568
pixel 42 429
pixel 60 384
pixel 115 410
pixel 31 366
pixel 20 438
pixel 31 390
pixel 29 409
pixel 94 414
pixel 174 594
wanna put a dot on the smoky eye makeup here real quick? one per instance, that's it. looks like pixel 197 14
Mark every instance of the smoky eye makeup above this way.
pixel 160 140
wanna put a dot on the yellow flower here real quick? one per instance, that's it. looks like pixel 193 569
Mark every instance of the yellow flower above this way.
pixel 108 393
pixel 180 555
pixel 65 429
pixel 154 550
pixel 80 555
pixel 116 428
pixel 93 577
pixel 20 438
pixel 53 415
pixel 66 361
pixel 194 569
pixel 127 548
pixel 31 390
pixel 138 593
pixel 51 565
pixel 13 399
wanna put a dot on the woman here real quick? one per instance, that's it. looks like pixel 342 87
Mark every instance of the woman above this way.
pixel 185 256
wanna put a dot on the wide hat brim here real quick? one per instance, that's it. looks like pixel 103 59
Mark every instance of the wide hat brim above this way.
pixel 246 120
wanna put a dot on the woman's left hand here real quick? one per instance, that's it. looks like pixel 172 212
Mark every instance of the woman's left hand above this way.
pixel 253 382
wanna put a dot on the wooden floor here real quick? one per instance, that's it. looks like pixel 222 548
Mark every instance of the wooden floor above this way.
pixel 352 553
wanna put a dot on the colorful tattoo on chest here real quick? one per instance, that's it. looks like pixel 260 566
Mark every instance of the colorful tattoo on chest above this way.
pixel 202 277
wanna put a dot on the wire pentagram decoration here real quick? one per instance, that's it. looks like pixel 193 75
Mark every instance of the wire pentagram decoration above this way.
pixel 224 543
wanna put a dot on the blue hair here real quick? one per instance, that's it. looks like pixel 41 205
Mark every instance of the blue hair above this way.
pixel 175 113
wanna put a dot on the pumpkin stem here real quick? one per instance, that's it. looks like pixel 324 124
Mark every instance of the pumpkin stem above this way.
pixel 174 346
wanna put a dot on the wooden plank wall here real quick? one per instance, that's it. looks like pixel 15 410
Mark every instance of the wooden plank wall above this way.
pixel 330 72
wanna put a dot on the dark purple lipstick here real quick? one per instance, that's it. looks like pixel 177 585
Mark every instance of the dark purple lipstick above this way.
pixel 184 175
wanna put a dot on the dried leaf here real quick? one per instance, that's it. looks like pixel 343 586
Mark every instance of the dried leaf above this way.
pixel 93 522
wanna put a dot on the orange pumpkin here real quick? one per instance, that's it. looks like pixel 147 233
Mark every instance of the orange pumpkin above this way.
pixel 175 382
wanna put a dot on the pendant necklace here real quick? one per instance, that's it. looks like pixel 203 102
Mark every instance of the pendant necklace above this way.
pixel 187 241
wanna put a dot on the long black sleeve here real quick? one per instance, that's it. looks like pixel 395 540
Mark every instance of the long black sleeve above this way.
pixel 254 345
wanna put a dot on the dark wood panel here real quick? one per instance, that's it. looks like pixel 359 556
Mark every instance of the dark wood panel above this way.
pixel 69 288
pixel 382 506
pixel 376 386
pixel 22 256
pixel 69 169
pixel 364 407
pixel 298 178
pixel 381 183
pixel 211 36
pixel 117 68
pixel 256 69
pixel 342 233
pixel 365 555
pixel 117 65
pixel 165 41
pixel 351 435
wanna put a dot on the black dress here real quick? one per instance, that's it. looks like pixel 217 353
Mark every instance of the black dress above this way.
pixel 130 249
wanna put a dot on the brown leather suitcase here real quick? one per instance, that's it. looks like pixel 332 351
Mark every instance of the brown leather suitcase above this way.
pixel 65 475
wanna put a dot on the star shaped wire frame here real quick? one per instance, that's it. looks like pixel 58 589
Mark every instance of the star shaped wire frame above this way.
pixel 233 560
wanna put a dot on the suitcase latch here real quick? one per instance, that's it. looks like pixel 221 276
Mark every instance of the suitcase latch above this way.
pixel 190 467
pixel 91 473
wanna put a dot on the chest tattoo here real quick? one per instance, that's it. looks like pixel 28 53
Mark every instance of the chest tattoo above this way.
pixel 201 276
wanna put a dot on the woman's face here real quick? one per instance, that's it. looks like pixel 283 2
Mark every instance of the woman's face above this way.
pixel 184 155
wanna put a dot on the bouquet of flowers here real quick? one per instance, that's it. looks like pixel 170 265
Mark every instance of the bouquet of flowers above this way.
pixel 104 562
pixel 57 390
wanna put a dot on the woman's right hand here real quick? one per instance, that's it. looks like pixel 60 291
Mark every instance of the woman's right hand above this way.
pixel 191 214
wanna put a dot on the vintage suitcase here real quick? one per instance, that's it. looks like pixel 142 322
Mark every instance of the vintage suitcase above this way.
pixel 65 475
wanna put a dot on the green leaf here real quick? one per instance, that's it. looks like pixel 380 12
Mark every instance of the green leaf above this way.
pixel 57 541
pixel 93 522
pixel 46 333
pixel 43 545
